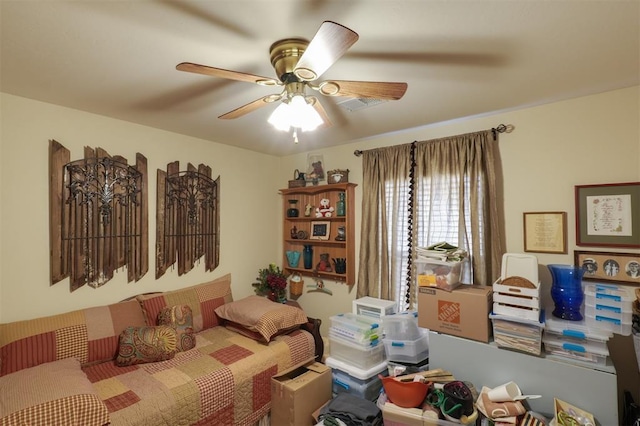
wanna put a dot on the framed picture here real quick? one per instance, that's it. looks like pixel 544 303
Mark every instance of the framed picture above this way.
pixel 608 215
pixel 320 230
pixel 315 167
pixel 613 267
pixel 545 232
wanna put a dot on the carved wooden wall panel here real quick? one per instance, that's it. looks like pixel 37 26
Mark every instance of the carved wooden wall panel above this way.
pixel 187 218
pixel 98 217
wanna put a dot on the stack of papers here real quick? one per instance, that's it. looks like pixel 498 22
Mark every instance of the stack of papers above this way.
pixel 441 251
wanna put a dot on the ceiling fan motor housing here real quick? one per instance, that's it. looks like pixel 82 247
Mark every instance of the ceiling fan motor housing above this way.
pixel 285 55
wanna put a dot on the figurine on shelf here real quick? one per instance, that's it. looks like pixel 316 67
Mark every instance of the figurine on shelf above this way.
pixel 325 210
pixel 294 233
pixel 307 209
pixel 341 234
pixel 324 265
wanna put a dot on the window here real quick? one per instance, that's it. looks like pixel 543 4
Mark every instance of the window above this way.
pixel 419 194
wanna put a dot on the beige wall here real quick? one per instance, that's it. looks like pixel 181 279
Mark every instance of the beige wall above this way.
pixel 594 139
pixel 588 140
pixel 248 193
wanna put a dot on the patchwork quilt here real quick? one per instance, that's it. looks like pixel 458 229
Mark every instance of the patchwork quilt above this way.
pixel 224 380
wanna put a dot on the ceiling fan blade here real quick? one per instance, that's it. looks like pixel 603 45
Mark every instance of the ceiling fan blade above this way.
pixel 362 89
pixel 222 73
pixel 320 109
pixel 251 106
pixel 330 42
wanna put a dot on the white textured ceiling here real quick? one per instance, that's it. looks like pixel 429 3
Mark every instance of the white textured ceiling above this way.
pixel 459 58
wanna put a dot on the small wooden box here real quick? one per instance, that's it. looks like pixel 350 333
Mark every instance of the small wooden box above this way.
pixel 338 176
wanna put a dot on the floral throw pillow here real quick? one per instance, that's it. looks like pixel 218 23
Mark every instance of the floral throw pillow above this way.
pixel 139 345
pixel 180 318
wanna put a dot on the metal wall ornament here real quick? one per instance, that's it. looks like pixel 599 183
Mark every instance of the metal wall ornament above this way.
pixel 98 217
pixel 188 218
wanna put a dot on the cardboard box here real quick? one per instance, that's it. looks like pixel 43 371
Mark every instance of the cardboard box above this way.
pixel 296 393
pixel 462 312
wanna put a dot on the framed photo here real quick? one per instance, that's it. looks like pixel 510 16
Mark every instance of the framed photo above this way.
pixel 608 215
pixel 545 232
pixel 320 230
pixel 613 267
pixel 315 167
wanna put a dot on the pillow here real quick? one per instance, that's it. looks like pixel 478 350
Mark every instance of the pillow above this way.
pixel 139 345
pixel 180 318
pixel 63 395
pixel 260 315
pixel 202 298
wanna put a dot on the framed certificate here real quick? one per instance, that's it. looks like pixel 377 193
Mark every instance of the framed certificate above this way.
pixel 545 232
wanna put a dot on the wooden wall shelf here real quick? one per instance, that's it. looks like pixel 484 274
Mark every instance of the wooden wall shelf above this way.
pixel 335 249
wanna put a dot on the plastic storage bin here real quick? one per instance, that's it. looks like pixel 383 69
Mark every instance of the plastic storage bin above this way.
pixel 373 307
pixel 517 334
pixel 354 354
pixel 568 336
pixel 355 328
pixel 361 382
pixel 611 302
pixel 401 326
pixel 438 273
pixel 574 351
pixel 610 324
pixel 408 351
pixel 366 389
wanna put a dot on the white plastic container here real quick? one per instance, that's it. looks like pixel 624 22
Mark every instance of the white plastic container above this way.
pixel 609 307
pixel 356 328
pixel 610 301
pixel 595 341
pixel 517 334
pixel 372 340
pixel 401 326
pixel 408 351
pixel 574 351
pixel 373 307
pixel 361 382
pixel 345 383
pixel 438 273
pixel 613 325
pixel 356 355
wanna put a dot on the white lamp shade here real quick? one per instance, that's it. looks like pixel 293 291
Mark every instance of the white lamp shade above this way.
pixel 296 113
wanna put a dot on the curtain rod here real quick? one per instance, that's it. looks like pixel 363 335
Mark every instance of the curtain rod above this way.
pixel 500 128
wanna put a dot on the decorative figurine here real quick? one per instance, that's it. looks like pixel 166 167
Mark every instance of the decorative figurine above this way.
pixel 341 234
pixel 307 210
pixel 325 210
pixel 324 265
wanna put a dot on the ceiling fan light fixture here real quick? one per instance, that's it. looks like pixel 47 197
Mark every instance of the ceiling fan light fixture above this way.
pixel 297 113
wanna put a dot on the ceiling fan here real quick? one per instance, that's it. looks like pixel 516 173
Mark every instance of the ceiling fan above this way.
pixel 298 63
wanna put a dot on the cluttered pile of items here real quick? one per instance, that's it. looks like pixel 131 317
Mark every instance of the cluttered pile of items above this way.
pixel 440 265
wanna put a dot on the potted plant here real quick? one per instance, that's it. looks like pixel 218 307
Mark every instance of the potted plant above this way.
pixel 272 283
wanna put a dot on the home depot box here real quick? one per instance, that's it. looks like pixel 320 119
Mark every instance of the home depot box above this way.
pixel 296 393
pixel 462 312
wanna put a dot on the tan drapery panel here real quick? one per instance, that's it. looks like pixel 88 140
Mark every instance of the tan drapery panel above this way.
pixel 464 161
pixel 385 173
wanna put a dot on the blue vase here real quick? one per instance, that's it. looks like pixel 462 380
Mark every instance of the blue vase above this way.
pixel 307 255
pixel 293 258
pixel 566 291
